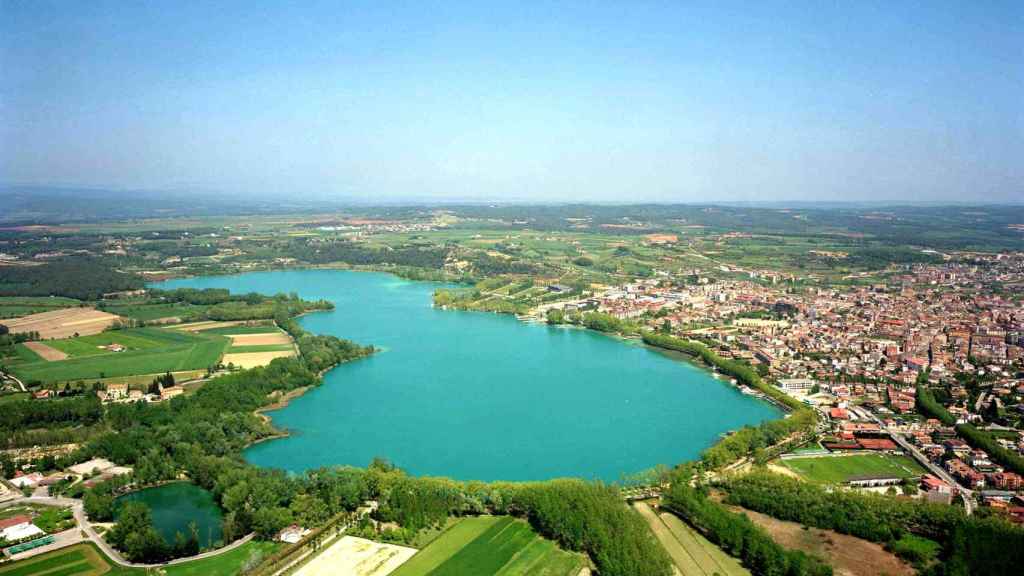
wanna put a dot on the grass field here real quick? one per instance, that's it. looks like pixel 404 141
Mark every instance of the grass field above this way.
pixel 498 545
pixel 15 306
pixel 839 469
pixel 691 552
pixel 87 560
pixel 148 312
pixel 77 560
pixel 150 351
pixel 227 564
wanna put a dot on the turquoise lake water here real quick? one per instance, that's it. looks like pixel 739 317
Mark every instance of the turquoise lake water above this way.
pixel 482 396
pixel 177 504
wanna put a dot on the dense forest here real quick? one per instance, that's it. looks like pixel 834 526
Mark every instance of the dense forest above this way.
pixel 324 252
pixel 78 277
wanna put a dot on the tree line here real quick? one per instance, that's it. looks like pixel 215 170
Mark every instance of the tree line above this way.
pixel 982 544
pixel 84 278
pixel 738 536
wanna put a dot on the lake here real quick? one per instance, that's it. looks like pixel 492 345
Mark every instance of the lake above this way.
pixel 177 504
pixel 479 396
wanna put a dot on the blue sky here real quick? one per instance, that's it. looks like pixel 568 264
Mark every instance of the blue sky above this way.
pixel 608 101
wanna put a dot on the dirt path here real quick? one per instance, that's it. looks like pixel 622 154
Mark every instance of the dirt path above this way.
pixel 45 352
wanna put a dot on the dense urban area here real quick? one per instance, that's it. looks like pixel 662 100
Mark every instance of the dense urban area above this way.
pixel 891 339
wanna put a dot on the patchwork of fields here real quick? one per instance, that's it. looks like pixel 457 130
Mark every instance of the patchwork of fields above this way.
pixel 498 545
pixel 692 553
pixel 15 306
pixel 147 351
pixel 62 323
pixel 77 560
pixel 840 469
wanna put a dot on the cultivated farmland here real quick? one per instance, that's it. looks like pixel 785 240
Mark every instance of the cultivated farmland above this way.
pixel 148 351
pixel 351 556
pixel 78 560
pixel 62 323
pixel 691 553
pixel 498 545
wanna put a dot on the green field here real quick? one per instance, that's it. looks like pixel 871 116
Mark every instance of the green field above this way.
pixel 151 351
pixel 148 312
pixel 226 564
pixel 15 306
pixel 691 552
pixel 498 545
pixel 839 469
pixel 87 560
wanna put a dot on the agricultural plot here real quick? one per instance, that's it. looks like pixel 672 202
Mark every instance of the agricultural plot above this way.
pixel 252 349
pixel 691 553
pixel 498 545
pixel 841 469
pixel 78 560
pixel 149 351
pixel 150 312
pixel 351 556
pixel 15 306
pixel 63 323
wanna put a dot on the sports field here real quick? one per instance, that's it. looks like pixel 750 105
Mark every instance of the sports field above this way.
pixel 840 469
pixel 148 351
pixel 691 552
pixel 498 545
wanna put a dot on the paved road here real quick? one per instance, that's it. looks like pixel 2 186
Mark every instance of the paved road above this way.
pixel 114 555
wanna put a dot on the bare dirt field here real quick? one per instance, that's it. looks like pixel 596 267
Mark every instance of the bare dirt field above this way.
pixel 45 352
pixel 259 339
pixel 254 359
pixel 351 556
pixel 849 556
pixel 64 323
pixel 205 325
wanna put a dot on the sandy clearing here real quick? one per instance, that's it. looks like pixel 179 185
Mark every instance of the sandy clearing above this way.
pixel 351 556
pixel 254 359
pixel 259 339
pixel 779 469
pixel 45 352
pixel 205 325
pixel 63 323
pixel 848 555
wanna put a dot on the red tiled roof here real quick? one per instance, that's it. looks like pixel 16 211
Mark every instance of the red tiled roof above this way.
pixel 14 521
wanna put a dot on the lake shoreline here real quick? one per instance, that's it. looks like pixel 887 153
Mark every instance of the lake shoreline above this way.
pixel 452 369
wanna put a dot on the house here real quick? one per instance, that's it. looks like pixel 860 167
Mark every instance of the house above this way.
pixel 171 392
pixel 117 391
pixel 18 528
pixel 292 534
pixel 21 480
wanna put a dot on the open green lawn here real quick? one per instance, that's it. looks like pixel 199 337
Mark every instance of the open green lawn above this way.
pixel 16 306
pixel 151 351
pixel 15 397
pixel 87 560
pixel 77 560
pixel 227 564
pixel 498 545
pixel 839 469
pixel 137 339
